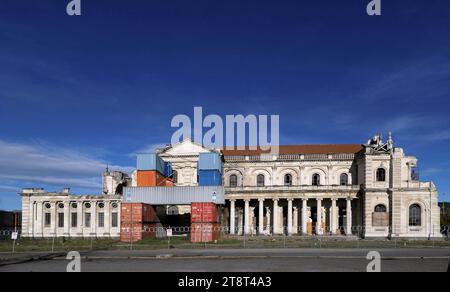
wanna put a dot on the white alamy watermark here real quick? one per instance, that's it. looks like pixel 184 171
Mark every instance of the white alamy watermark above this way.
pixel 74 8
pixel 374 8
pixel 374 265
pixel 74 266
pixel 236 132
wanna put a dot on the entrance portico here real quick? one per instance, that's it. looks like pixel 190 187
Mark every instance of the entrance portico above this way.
pixel 305 215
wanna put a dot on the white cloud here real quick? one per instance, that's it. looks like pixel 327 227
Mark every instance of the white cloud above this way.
pixel 151 148
pixel 22 164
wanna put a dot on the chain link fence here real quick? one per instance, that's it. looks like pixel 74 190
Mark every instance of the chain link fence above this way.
pixel 210 237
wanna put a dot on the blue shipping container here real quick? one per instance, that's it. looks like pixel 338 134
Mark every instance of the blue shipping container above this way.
pixel 210 161
pixel 208 178
pixel 150 162
pixel 168 171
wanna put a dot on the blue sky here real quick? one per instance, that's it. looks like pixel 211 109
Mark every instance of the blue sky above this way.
pixel 79 92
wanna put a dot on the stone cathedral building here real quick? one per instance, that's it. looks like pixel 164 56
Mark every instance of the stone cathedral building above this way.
pixel 370 191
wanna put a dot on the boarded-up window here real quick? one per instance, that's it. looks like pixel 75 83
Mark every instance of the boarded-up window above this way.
pixel 380 219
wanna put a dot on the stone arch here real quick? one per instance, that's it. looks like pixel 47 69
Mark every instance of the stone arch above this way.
pixel 238 173
pixel 293 172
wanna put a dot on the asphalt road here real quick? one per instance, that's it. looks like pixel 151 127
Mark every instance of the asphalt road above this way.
pixel 232 260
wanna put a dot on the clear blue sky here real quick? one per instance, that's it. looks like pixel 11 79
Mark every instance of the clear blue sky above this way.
pixel 79 92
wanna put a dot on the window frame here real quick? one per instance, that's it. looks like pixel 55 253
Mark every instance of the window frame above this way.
pixel 233 181
pixel 376 210
pixel 260 183
pixel 415 215
pixel 343 182
pixel 74 220
pixel 288 182
pixel 315 179
pixel 378 172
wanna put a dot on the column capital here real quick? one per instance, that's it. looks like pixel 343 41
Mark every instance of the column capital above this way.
pixel 275 200
pixel 290 199
pixel 232 200
pixel 334 199
pixel 261 200
pixel 247 200
pixel 319 199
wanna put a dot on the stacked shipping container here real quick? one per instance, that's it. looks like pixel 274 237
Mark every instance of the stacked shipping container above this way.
pixel 138 221
pixel 204 222
pixel 210 169
pixel 152 171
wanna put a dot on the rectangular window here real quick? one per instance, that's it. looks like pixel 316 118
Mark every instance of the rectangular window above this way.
pixel 101 220
pixel 60 220
pixel 87 220
pixel 74 220
pixel 115 221
pixel 48 219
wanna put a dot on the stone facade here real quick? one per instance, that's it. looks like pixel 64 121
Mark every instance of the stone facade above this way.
pixel 369 191
pixel 60 214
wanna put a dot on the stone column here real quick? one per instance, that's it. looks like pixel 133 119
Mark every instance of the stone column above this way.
pixel 107 218
pixel 304 218
pixel 333 217
pixel 319 230
pixel 94 219
pixel 261 217
pixel 67 218
pixel 80 218
pixel 275 217
pixel 247 217
pixel 295 219
pixel 289 219
pixel 232 217
pixel 268 216
pixel 349 217
pixel 54 219
pixel 240 222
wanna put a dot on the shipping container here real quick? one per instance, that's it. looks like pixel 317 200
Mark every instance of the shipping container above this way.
pixel 209 178
pixel 138 213
pixel 204 213
pixel 205 232
pixel 210 161
pixel 150 162
pixel 168 171
pixel 175 196
pixel 150 178
pixel 133 232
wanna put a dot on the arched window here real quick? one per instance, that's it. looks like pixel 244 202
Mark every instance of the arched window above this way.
pixel 381 174
pixel 415 215
pixel 288 180
pixel 175 176
pixel 344 179
pixel 233 180
pixel 260 180
pixel 316 179
pixel 380 209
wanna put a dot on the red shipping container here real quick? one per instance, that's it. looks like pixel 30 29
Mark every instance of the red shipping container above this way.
pixel 150 178
pixel 137 231
pixel 204 213
pixel 205 232
pixel 138 213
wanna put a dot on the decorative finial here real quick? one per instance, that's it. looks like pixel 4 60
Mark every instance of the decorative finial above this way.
pixel 107 167
pixel 390 141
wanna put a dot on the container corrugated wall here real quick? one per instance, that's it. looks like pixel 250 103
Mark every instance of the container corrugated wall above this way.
pixel 150 162
pixel 209 178
pixel 210 161
pixel 175 195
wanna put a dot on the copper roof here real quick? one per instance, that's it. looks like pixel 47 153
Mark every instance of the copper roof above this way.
pixel 301 149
